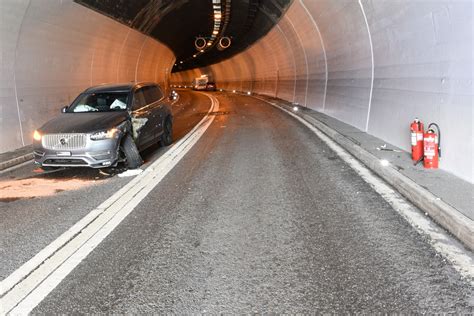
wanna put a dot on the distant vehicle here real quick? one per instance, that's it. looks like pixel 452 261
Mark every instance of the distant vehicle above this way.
pixel 211 86
pixel 200 83
pixel 104 126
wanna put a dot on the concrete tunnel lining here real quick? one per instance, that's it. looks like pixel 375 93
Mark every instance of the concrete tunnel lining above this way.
pixel 410 59
pixel 419 65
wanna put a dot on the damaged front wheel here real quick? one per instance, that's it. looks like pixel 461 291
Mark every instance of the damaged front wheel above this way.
pixel 167 137
pixel 131 153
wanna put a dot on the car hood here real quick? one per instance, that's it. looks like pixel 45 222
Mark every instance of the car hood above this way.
pixel 83 122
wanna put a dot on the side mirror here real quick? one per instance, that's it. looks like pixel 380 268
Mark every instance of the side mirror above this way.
pixel 64 109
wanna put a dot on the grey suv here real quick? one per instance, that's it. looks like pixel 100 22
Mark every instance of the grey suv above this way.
pixel 106 125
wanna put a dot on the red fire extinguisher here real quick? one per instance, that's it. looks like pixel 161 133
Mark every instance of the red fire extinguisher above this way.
pixel 417 130
pixel 432 147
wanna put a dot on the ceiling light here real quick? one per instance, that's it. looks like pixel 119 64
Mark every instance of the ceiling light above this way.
pixel 217 16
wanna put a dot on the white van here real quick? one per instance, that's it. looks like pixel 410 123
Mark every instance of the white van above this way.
pixel 200 83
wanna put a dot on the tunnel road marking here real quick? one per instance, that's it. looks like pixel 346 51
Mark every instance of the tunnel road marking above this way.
pixel 26 287
pixel 461 259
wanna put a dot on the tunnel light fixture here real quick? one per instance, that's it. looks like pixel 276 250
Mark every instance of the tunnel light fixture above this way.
pixel 233 91
pixel 295 108
pixel 221 16
pixel 249 93
pixel 384 162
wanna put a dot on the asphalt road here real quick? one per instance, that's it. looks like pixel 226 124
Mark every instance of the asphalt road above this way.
pixel 260 216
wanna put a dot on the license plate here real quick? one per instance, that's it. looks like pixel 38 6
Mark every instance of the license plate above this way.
pixel 63 153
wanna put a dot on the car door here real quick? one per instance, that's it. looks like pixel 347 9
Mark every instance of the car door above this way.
pixel 142 119
pixel 154 96
pixel 161 109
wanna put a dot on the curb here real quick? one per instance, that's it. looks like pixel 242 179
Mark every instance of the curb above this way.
pixel 15 161
pixel 441 212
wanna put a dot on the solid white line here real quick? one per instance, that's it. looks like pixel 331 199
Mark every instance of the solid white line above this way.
pixel 373 65
pixel 139 56
pixel 25 288
pixel 461 259
pixel 305 58
pixel 324 54
pixel 14 73
pixel 294 60
pixel 120 54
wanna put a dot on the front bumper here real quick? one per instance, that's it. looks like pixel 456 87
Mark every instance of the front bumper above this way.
pixel 96 154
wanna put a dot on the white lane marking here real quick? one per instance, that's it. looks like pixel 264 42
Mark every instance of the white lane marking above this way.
pixel 461 258
pixel 12 168
pixel 25 288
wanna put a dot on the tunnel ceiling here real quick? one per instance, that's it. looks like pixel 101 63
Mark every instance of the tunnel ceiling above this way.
pixel 177 23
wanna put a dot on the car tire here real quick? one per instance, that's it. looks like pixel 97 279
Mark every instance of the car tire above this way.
pixel 167 137
pixel 131 153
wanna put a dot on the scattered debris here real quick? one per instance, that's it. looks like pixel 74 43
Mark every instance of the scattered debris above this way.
pixel 102 172
pixel 384 148
pixel 130 173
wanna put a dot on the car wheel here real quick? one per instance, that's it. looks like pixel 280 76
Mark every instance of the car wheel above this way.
pixel 130 151
pixel 167 137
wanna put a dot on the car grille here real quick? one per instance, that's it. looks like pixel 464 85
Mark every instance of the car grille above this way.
pixel 64 141
pixel 68 162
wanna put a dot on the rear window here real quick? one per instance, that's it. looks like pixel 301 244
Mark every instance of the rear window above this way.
pixel 100 102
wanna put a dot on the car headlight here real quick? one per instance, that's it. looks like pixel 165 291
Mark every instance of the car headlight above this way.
pixel 37 136
pixel 104 134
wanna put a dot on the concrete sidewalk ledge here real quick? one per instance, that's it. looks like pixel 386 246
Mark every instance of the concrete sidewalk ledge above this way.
pixel 15 161
pixel 441 212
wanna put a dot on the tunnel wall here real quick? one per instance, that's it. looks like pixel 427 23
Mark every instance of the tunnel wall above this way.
pixel 373 64
pixel 52 50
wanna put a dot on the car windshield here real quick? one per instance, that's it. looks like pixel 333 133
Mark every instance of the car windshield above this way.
pixel 100 102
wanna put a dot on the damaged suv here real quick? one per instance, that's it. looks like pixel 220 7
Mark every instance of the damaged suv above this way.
pixel 104 126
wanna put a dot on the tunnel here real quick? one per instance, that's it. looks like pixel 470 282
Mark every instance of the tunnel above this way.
pixel 375 65
pixel 365 68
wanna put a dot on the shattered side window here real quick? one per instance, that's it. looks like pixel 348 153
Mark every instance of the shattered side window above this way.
pixel 100 102
pixel 138 100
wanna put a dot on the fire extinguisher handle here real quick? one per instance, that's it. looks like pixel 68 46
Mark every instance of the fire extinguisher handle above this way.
pixel 439 136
